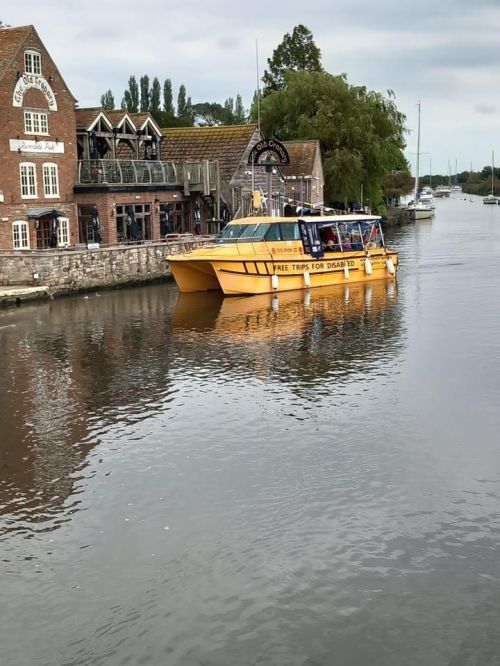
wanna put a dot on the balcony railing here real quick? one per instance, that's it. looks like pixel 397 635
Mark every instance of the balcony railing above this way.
pixel 196 175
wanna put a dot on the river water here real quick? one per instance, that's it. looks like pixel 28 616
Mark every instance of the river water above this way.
pixel 309 480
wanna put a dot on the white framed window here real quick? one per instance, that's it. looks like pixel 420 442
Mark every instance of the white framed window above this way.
pixel 20 235
pixel 50 180
pixel 63 232
pixel 28 180
pixel 32 62
pixel 36 122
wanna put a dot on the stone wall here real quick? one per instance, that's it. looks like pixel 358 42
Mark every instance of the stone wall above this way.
pixel 81 269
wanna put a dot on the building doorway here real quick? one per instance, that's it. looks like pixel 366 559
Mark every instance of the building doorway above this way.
pixel 133 223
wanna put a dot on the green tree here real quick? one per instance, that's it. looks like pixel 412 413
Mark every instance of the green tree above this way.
pixel 297 52
pixel 168 103
pixel 145 101
pixel 130 100
pixel 155 96
pixel 189 114
pixel 212 114
pixel 239 111
pixel 181 101
pixel 108 101
pixel 361 132
pixel 229 107
pixel 397 184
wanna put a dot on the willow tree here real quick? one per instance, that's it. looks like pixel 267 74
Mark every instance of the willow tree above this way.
pixel 361 132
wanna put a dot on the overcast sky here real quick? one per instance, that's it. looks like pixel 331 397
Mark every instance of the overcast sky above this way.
pixel 445 54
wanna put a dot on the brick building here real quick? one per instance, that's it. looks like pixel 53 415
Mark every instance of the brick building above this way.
pixel 78 176
pixel 121 179
pixel 83 176
pixel 37 146
pixel 229 147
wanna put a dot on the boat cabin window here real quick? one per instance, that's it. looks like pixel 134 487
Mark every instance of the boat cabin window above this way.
pixel 345 236
pixel 268 231
pixel 289 231
pixel 232 232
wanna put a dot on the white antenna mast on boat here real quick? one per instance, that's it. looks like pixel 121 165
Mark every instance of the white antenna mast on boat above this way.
pixel 258 83
pixel 258 104
pixel 418 156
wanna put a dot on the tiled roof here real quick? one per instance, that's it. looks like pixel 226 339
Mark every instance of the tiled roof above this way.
pixel 116 116
pixel 85 117
pixel 302 154
pixel 226 143
pixel 11 40
pixel 140 118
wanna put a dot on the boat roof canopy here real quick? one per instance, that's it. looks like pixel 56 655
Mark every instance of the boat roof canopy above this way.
pixel 320 220
pixel 349 223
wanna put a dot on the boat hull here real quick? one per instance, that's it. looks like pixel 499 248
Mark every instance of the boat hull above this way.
pixel 260 276
pixel 420 213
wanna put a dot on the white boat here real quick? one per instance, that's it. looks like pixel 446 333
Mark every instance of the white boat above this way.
pixel 442 191
pixel 418 209
pixel 491 198
pixel 426 198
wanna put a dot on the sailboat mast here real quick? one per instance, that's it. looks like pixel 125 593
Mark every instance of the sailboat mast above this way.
pixel 492 170
pixel 418 155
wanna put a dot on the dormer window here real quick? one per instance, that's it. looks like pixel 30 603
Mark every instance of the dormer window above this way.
pixel 32 62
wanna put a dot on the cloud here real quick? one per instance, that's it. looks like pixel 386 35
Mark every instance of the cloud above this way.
pixel 444 54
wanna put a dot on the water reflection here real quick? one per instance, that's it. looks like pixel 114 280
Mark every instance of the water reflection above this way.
pixel 72 369
pixel 68 370
pixel 302 338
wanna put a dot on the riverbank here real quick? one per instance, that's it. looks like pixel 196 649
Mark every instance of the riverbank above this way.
pixel 18 295
pixel 395 215
pixel 39 275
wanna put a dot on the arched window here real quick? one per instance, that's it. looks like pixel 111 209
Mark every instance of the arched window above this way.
pixel 20 235
pixel 28 180
pixel 32 62
pixel 50 180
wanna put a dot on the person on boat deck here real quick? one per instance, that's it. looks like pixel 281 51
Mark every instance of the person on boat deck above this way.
pixel 346 243
pixel 372 237
pixel 330 239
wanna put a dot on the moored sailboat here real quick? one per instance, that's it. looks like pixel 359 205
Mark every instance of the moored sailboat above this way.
pixel 491 198
pixel 417 209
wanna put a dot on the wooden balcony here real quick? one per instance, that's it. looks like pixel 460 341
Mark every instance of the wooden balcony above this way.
pixel 199 176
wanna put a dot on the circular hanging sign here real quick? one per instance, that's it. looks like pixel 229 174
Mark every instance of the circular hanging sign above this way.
pixel 269 145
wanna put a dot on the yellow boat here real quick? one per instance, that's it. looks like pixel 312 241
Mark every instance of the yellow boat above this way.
pixel 260 255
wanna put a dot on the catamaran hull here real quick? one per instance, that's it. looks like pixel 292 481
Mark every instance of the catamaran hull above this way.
pixel 266 276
